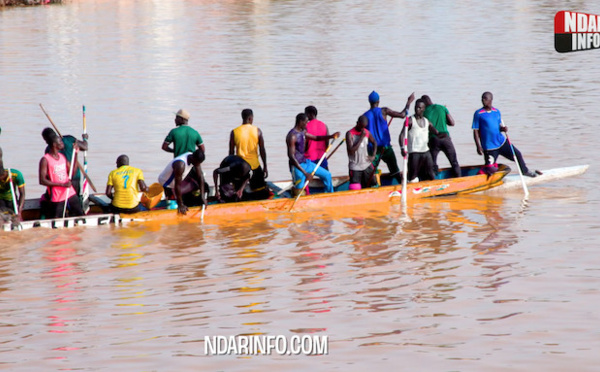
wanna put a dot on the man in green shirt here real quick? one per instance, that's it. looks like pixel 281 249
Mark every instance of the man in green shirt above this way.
pixel 184 138
pixel 440 118
pixel 18 183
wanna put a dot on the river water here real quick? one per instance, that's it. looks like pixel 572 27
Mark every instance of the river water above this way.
pixel 465 283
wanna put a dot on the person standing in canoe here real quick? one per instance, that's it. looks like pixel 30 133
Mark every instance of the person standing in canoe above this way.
pixel 69 142
pixel 126 181
pixel 300 167
pixel 53 173
pixel 184 138
pixel 235 173
pixel 180 182
pixel 378 127
pixel 420 163
pixel 245 141
pixel 316 149
pixel 360 164
pixel 440 118
pixel 7 199
pixel 489 140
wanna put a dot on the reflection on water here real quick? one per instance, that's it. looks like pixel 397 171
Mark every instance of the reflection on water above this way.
pixel 155 290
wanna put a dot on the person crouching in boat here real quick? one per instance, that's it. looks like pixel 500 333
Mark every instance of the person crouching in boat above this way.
pixel 180 182
pixel 362 170
pixel 420 163
pixel 300 167
pixel 235 174
pixel 125 181
pixel 54 174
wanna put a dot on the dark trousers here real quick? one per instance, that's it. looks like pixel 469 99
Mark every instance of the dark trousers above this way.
pixel 7 204
pixel 389 157
pixel 55 209
pixel 420 165
pixel 491 156
pixel 136 209
pixel 447 147
pixel 258 185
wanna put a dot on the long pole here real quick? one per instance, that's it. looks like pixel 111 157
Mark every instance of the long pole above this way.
pixel 405 161
pixel 51 122
pixel 70 176
pixel 85 191
pixel 312 174
pixel 335 149
pixel 12 191
pixel 525 190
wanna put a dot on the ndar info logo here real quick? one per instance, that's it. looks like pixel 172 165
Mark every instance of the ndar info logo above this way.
pixel 574 32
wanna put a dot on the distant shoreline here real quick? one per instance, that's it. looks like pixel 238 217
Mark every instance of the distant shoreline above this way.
pixel 4 3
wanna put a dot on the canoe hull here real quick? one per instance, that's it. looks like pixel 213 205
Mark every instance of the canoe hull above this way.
pixel 512 182
pixel 339 199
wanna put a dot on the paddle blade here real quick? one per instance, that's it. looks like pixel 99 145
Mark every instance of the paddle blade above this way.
pixel 85 197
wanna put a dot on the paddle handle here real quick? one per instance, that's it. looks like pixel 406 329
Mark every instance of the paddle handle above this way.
pixel 335 149
pixel 85 164
pixel 312 174
pixel 405 162
pixel 12 191
pixel 50 119
pixel 525 189
pixel 70 176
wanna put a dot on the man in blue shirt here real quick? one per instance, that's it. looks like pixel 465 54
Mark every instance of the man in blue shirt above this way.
pixel 378 126
pixel 487 133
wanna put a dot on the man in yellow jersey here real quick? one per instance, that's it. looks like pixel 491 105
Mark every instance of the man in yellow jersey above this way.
pixel 125 181
pixel 245 141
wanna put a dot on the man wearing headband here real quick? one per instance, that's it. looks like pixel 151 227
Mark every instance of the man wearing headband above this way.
pixel 378 127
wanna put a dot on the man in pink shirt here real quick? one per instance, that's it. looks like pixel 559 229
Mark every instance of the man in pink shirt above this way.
pixel 54 174
pixel 316 149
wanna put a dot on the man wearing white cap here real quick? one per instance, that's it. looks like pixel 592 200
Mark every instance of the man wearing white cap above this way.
pixel 184 138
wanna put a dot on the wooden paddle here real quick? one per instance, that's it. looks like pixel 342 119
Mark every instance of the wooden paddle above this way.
pixel 85 192
pixel 70 178
pixel 525 190
pixel 79 166
pixel 405 162
pixel 291 184
pixel 335 149
pixel 312 174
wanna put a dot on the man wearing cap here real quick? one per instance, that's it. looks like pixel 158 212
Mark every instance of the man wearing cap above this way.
pixel 378 127
pixel 184 138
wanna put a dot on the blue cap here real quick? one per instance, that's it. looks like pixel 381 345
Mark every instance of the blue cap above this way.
pixel 373 97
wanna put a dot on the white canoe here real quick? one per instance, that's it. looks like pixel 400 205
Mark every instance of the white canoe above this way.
pixel 513 181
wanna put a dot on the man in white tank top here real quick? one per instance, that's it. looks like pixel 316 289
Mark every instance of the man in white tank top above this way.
pixel 420 163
